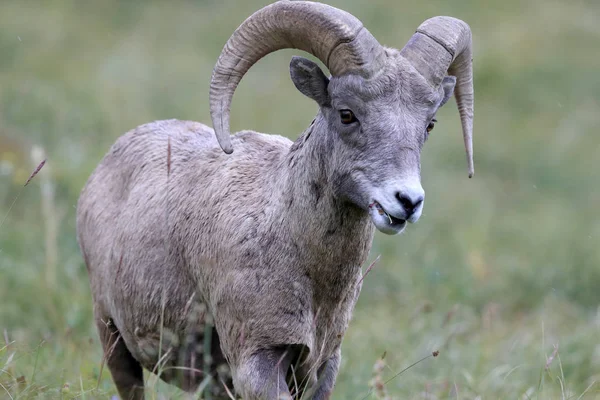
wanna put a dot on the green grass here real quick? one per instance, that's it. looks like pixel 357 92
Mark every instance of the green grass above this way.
pixel 499 269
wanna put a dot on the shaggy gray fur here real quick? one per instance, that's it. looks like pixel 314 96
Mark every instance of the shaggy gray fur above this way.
pixel 247 266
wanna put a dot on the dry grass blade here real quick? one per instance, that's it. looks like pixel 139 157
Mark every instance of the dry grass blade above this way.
pixel 10 208
pixel 586 390
pixel 8 369
pixel 369 269
pixel 6 390
pixel 5 347
pixel 188 305
pixel 180 368
pixel 169 156
pixel 227 390
pixel 433 354
pixel 296 390
pixel 160 364
pixel 35 172
pixel 552 357
pixel 106 356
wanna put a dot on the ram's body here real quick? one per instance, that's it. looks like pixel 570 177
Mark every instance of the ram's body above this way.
pixel 257 242
pixel 201 258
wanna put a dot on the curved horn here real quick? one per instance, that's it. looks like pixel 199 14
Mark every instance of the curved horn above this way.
pixel 440 46
pixel 334 36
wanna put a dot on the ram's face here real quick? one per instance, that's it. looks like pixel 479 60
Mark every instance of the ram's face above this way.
pixel 376 129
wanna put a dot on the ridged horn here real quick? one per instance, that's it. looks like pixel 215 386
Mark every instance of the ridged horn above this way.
pixel 443 46
pixel 334 36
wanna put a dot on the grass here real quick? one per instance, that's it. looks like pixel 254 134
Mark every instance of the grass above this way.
pixel 499 270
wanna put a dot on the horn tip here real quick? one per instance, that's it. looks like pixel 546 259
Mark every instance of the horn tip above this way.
pixel 227 149
pixel 226 145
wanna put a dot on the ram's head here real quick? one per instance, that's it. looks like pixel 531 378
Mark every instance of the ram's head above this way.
pixel 377 107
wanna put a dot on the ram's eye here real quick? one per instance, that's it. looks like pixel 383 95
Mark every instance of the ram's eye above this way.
pixel 431 125
pixel 347 117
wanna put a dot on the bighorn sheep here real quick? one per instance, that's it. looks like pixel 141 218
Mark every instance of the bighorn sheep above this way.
pixel 201 256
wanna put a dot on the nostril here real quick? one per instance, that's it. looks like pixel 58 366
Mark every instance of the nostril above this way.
pixel 409 203
pixel 405 201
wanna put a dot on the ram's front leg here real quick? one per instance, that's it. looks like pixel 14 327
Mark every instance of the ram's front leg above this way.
pixel 326 377
pixel 263 375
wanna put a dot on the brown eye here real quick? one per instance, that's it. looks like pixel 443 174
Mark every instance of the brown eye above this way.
pixel 431 125
pixel 347 117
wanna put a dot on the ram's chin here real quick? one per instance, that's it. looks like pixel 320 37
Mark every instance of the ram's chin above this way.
pixel 386 223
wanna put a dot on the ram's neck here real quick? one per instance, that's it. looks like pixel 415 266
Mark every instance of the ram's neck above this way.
pixel 335 236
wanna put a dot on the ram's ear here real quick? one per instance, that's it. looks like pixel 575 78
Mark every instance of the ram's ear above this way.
pixel 448 85
pixel 310 80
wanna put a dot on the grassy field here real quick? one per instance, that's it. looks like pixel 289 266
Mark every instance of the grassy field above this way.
pixel 501 274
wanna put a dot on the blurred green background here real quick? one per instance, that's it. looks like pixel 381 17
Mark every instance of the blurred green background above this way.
pixel 499 270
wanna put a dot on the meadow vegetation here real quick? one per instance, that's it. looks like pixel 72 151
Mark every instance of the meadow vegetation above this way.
pixel 501 274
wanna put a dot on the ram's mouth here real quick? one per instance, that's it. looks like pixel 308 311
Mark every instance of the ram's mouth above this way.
pixel 393 220
pixel 384 221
